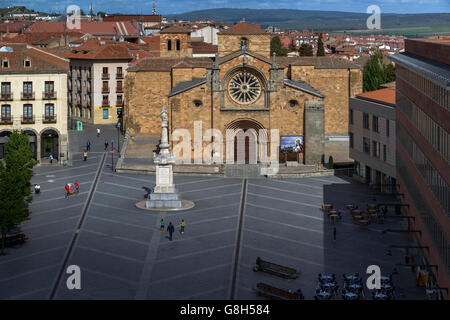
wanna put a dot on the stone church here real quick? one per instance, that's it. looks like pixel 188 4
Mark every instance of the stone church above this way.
pixel 244 88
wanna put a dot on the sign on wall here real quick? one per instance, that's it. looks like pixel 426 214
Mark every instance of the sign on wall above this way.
pixel 291 144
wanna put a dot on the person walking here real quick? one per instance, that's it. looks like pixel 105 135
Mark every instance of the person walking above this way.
pixel 51 159
pixel 77 186
pixel 85 155
pixel 170 229
pixel 88 145
pixel 334 234
pixel 98 132
pixel 106 144
pixel 183 224
pixel 162 225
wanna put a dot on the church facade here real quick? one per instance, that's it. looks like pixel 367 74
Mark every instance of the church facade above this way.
pixel 243 89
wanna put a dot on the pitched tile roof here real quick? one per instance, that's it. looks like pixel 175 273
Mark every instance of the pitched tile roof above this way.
pixel 108 28
pixel 301 85
pixel 203 47
pixel 175 29
pixel 166 64
pixel 386 95
pixel 186 85
pixel 15 27
pixel 317 62
pixel 135 17
pixel 41 61
pixel 42 38
pixel 243 28
pixel 100 50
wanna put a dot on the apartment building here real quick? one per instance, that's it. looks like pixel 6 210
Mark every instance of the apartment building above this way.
pixel 34 99
pixel 96 80
pixel 422 149
pixel 372 138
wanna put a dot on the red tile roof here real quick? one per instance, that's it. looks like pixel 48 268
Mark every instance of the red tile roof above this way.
pixel 135 17
pixel 203 47
pixel 41 61
pixel 100 50
pixel 15 27
pixel 123 28
pixel 386 95
pixel 175 29
pixel 43 38
pixel 243 28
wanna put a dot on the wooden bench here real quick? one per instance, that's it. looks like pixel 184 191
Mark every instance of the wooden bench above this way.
pixel 275 269
pixel 15 239
pixel 271 292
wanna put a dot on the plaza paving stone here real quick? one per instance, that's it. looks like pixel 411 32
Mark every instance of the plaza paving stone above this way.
pixel 123 255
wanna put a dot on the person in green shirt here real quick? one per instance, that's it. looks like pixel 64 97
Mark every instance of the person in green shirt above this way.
pixel 162 225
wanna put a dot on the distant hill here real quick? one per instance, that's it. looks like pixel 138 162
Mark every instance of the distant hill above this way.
pixel 317 20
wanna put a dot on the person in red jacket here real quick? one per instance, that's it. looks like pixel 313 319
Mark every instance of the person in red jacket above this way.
pixel 77 185
pixel 68 188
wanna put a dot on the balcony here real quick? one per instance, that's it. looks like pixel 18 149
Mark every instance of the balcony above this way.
pixel 49 95
pixel 6 97
pixel 119 90
pixel 27 119
pixel 105 90
pixel 6 121
pixel 119 75
pixel 119 103
pixel 105 76
pixel 46 118
pixel 27 95
pixel 105 103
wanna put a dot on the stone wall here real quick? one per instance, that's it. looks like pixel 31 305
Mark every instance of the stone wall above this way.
pixel 314 132
pixel 259 44
pixel 185 50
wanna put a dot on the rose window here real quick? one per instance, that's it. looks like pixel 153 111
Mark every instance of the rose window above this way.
pixel 244 87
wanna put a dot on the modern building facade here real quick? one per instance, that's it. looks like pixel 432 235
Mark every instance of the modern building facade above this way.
pixel 422 148
pixel 34 99
pixel 372 138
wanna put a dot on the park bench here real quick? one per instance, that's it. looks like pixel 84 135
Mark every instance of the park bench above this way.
pixel 15 239
pixel 271 292
pixel 275 269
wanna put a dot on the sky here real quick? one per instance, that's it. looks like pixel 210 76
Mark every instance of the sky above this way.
pixel 180 6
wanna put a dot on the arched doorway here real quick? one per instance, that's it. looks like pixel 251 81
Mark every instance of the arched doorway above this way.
pixel 33 141
pixel 246 135
pixel 49 143
pixel 4 137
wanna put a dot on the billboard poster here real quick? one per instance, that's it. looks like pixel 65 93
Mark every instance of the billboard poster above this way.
pixel 291 144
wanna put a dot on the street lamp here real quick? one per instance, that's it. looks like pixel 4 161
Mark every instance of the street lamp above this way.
pixel 112 155
pixel 118 138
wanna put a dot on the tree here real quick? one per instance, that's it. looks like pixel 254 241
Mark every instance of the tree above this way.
pixel 277 47
pixel 389 71
pixel 292 46
pixel 15 177
pixel 306 50
pixel 101 14
pixel 374 73
pixel 320 48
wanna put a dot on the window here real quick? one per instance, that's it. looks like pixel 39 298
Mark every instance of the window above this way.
pixel 27 63
pixel 5 64
pixel 197 103
pixel 105 86
pixel 244 44
pixel 169 45
pixel 119 86
pixel 105 70
pixel 27 111
pixel 387 127
pixel 366 145
pixel 365 120
pixel 6 88
pixel 6 112
pixel 27 88
pixel 293 103
pixel 375 124
pixel 105 114
pixel 384 152
pixel 119 71
pixel 178 45
pixel 119 100
pixel 49 87
pixel 351 139
pixel 49 110
pixel 375 149
pixel 351 116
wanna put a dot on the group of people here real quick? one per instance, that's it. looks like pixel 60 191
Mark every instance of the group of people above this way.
pixel 72 188
pixel 171 228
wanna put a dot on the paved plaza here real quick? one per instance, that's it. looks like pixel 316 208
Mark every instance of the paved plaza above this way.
pixel 123 255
